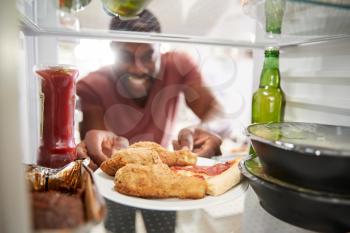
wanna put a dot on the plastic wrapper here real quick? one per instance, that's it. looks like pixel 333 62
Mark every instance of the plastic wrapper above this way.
pixel 67 178
pixel 52 188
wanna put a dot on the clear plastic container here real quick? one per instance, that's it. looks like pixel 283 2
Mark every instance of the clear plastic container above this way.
pixel 125 9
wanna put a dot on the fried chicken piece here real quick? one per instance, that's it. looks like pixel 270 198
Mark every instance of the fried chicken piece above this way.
pixel 157 181
pixel 171 158
pixel 149 145
pixel 143 156
pixel 147 153
pixel 183 157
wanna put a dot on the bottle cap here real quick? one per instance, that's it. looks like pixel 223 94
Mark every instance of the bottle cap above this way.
pixel 272 51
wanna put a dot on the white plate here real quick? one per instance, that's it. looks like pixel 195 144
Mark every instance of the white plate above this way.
pixel 105 185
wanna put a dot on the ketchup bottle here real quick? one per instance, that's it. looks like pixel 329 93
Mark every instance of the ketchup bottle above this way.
pixel 57 114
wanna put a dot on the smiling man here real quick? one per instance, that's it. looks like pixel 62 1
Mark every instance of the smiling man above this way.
pixel 136 99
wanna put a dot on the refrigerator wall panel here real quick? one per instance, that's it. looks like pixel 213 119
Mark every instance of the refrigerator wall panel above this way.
pixel 13 195
pixel 316 81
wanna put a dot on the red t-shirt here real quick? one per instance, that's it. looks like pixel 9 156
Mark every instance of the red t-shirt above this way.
pixel 123 116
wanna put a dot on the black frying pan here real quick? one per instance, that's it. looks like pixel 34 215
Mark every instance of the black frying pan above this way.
pixel 304 208
pixel 310 155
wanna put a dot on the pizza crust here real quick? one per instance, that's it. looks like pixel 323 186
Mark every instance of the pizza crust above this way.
pixel 217 185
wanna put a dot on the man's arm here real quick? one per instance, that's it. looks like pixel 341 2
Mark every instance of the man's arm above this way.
pixel 198 97
pixel 90 104
pixel 201 101
pixel 92 119
pixel 98 141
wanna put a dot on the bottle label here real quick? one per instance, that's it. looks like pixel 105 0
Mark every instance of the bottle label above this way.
pixel 42 106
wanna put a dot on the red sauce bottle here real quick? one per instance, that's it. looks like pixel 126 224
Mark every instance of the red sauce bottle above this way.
pixel 58 104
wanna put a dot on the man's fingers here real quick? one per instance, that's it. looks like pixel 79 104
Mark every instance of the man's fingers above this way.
pixel 186 143
pixel 185 139
pixel 204 151
pixel 93 166
pixel 198 141
pixel 176 145
pixel 98 158
pixel 94 141
pixel 116 143
pixel 120 143
pixel 81 151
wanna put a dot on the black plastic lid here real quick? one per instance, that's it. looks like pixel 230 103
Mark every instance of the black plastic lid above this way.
pixel 308 138
pixel 252 169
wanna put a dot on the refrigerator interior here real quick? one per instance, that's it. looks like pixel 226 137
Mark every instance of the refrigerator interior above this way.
pixel 316 78
pixel 316 81
pixel 314 64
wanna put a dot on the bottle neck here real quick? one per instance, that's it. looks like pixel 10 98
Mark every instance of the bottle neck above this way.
pixel 270 76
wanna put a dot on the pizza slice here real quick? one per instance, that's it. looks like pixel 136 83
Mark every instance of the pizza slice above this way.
pixel 219 178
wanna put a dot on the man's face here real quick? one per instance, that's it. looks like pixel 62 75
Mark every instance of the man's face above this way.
pixel 136 64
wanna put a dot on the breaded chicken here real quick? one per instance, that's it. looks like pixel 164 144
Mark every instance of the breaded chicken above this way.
pixel 143 156
pixel 147 153
pixel 157 181
pixel 149 145
pixel 171 158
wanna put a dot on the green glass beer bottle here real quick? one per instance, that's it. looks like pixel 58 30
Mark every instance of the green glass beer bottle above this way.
pixel 268 101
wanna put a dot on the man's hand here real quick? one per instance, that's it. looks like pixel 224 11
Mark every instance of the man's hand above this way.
pixel 101 144
pixel 82 154
pixel 199 141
